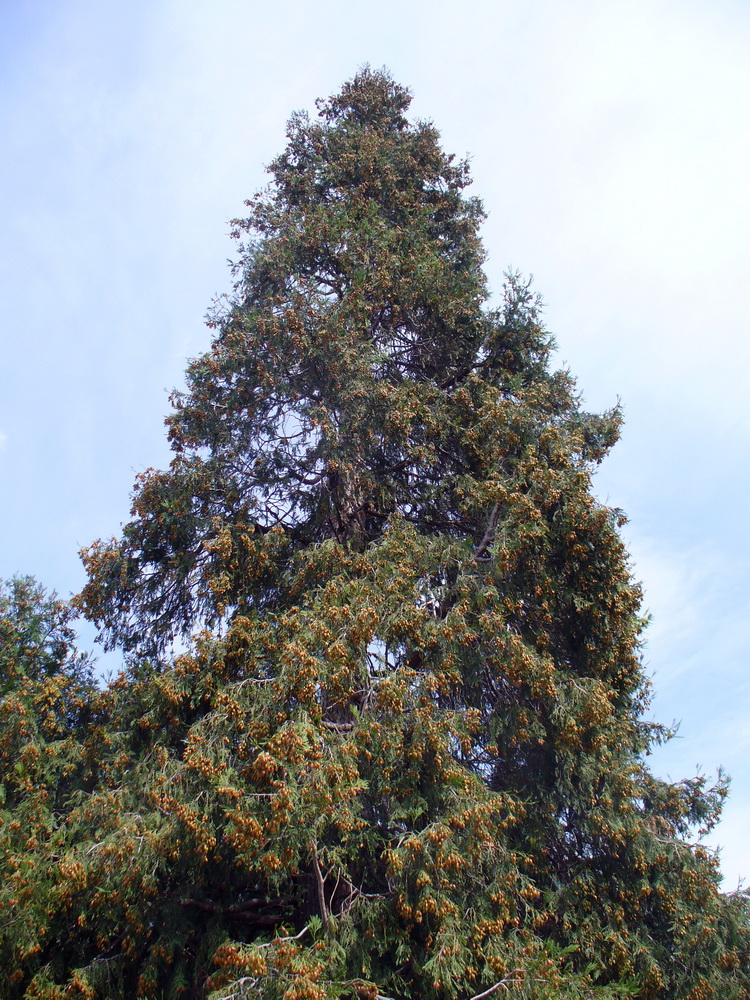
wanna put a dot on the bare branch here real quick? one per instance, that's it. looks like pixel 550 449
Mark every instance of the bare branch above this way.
pixel 504 983
pixel 295 937
pixel 320 883
pixel 241 983
pixel 488 535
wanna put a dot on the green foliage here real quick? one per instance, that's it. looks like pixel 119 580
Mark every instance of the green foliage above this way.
pixel 46 691
pixel 402 755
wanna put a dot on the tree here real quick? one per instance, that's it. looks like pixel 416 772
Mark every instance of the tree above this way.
pixel 46 687
pixel 403 753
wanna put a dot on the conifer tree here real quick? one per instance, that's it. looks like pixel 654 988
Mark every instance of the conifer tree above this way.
pixel 46 689
pixel 403 754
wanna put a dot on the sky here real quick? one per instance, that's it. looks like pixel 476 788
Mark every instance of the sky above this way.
pixel 610 144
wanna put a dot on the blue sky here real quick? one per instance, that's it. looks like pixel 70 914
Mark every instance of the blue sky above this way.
pixel 610 143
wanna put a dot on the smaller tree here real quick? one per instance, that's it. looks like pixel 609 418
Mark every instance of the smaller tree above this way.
pixel 46 689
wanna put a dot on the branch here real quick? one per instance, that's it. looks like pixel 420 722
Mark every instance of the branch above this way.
pixel 257 904
pixel 488 536
pixel 296 937
pixel 504 983
pixel 241 984
pixel 249 910
pixel 321 884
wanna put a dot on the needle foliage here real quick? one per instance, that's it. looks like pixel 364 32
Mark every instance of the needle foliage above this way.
pixel 402 753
